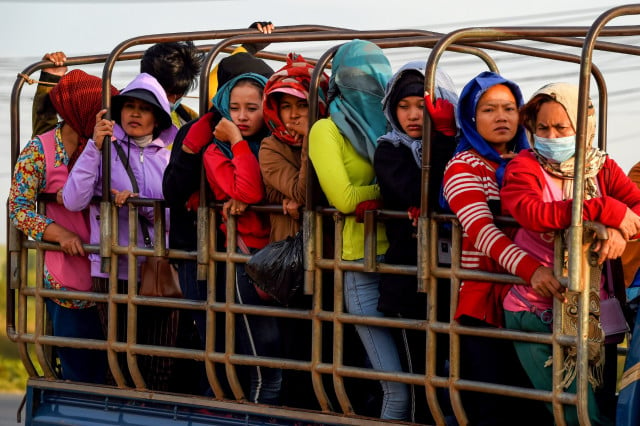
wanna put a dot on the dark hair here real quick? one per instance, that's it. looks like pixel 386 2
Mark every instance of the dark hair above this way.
pixel 529 111
pixel 250 82
pixel 175 65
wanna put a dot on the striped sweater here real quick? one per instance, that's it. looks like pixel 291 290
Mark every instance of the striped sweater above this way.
pixel 470 187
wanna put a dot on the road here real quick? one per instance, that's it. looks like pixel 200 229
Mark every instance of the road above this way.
pixel 9 404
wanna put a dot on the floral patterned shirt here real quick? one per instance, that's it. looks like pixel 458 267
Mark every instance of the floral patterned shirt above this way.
pixel 29 180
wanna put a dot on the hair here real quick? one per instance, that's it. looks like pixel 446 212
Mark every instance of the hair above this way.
pixel 250 82
pixel 529 111
pixel 176 65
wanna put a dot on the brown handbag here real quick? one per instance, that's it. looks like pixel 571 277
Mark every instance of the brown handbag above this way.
pixel 159 278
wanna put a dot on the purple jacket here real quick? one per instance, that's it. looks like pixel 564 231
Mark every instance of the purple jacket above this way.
pixel 148 164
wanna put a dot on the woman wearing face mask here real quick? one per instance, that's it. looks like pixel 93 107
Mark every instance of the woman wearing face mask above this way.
pixel 490 135
pixel 233 173
pixel 537 192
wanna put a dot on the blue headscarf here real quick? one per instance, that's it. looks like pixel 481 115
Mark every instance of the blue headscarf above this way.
pixel 469 136
pixel 221 102
pixel 444 88
pixel 466 113
pixel 359 74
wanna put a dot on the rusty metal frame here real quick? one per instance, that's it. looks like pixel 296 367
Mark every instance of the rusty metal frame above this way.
pixel 471 41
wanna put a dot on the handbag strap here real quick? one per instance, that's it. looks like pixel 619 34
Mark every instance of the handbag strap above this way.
pixel 136 189
pixel 609 279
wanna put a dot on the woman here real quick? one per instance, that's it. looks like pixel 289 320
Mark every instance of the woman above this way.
pixel 283 155
pixel 490 135
pixel 43 168
pixel 341 149
pixel 141 133
pixel 398 166
pixel 233 173
pixel 283 163
pixel 537 192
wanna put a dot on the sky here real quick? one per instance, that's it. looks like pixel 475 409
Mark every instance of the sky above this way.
pixel 31 28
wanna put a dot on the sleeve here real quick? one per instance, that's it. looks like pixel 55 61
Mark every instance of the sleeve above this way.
pixel 522 198
pixel 44 115
pixel 181 178
pixel 238 178
pixel 465 193
pixel 399 188
pixel 28 181
pixel 84 181
pixel 622 187
pixel 280 173
pixel 328 159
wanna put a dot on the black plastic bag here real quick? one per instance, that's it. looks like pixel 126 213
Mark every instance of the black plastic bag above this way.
pixel 278 268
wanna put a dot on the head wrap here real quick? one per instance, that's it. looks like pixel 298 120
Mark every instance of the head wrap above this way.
pixel 294 78
pixel 221 102
pixel 567 96
pixel 409 79
pixel 146 88
pixel 359 74
pixel 466 113
pixel 77 99
pixel 234 65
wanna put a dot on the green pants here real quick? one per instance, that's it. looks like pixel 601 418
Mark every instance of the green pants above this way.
pixel 533 357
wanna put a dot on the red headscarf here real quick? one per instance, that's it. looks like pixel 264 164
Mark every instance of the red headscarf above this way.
pixel 294 77
pixel 78 98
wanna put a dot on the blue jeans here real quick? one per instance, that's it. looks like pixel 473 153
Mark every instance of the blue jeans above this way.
pixel 78 365
pixel 258 335
pixel 361 298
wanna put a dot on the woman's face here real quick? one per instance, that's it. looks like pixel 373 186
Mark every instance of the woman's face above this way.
pixel 137 117
pixel 410 112
pixel 553 122
pixel 245 107
pixel 294 114
pixel 497 116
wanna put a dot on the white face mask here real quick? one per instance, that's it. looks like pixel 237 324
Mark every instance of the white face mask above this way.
pixel 556 149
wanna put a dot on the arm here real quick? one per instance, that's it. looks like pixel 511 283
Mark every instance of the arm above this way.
pixel 238 178
pixel 44 116
pixel 28 181
pixel 400 187
pixel 84 179
pixel 329 152
pixel 522 198
pixel 282 174
pixel 182 176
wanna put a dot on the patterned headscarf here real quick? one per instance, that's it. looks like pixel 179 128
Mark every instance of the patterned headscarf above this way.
pixel 221 102
pixel 359 74
pixel 293 78
pixel 77 98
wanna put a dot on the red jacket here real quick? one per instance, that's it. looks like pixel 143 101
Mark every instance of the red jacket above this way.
pixel 524 182
pixel 239 178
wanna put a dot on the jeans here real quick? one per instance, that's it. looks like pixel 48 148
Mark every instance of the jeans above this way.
pixel 78 365
pixel 361 298
pixel 258 335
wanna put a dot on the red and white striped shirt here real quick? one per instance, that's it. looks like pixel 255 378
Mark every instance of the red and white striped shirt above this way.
pixel 469 186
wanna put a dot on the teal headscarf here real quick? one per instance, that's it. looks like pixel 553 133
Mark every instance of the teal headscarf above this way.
pixel 359 75
pixel 221 102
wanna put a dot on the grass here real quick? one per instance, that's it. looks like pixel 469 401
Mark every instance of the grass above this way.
pixel 13 376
